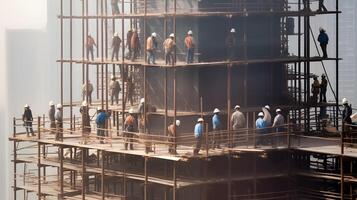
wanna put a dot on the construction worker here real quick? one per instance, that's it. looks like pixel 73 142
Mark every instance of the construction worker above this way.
pixel 129 34
pixel 278 124
pixel 267 115
pixel 115 7
pixel 116 46
pixel 84 110
pixel 90 47
pixel 129 125
pixel 87 91
pixel 141 120
pixel 323 39
pixel 135 45
pixel 323 88
pixel 115 89
pixel 130 87
pixel 59 122
pixel 151 46
pixel 260 125
pixel 28 119
pixel 169 48
pixel 217 126
pixel 315 89
pixel 51 116
pixel 101 120
pixel 190 45
pixel 231 43
pixel 322 6
pixel 347 112
pixel 237 121
pixel 171 134
pixel 198 133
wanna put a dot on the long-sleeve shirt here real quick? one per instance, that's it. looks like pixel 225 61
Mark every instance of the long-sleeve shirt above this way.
pixel 323 38
pixel 278 121
pixel 134 42
pixel 346 114
pixel 114 87
pixel 237 120
pixel 323 85
pixel 84 89
pixel 27 116
pixel 216 122
pixel 116 42
pixel 231 41
pixel 84 110
pixel 51 113
pixel 267 117
pixel 90 42
pixel 198 130
pixel 260 123
pixel 58 116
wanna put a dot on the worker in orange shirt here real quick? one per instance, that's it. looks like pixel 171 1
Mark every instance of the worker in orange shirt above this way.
pixel 190 45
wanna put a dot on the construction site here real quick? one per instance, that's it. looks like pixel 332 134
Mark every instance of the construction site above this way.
pixel 312 156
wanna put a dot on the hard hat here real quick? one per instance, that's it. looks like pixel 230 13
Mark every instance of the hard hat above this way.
pixel 99 108
pixel 172 35
pixel 189 32
pixel 51 103
pixel 344 101
pixel 153 34
pixel 321 29
pixel 59 106
pixel 278 110
pixel 178 122
pixel 116 34
pixel 261 114
pixel 216 110
pixel 236 107
pixel 134 30
pixel 233 30
pixel 84 103
pixel 267 107
pixel 323 75
pixel 26 106
pixel 200 120
pixel 131 111
pixel 112 77
pixel 142 100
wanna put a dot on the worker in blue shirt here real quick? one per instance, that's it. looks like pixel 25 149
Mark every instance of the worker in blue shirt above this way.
pixel 101 120
pixel 323 39
pixel 198 132
pixel 217 126
pixel 261 126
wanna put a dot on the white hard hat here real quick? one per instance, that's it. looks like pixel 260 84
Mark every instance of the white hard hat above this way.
pixel 344 101
pixel 99 108
pixel 267 107
pixel 26 106
pixel 131 111
pixel 84 103
pixel 178 122
pixel 112 77
pixel 233 30
pixel 278 110
pixel 153 34
pixel 116 34
pixel 200 119
pixel 261 114
pixel 59 106
pixel 51 103
pixel 142 100
pixel 189 32
pixel 216 110
pixel 172 35
pixel 321 29
pixel 237 107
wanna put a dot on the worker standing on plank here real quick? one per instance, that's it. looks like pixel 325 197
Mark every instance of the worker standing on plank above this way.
pixel 90 47
pixel 115 89
pixel 129 126
pixel 198 133
pixel 51 116
pixel 130 87
pixel 151 46
pixel 135 45
pixel 28 119
pixel 169 48
pixel 322 6
pixel 59 123
pixel 315 89
pixel 323 39
pixel 115 7
pixel 116 46
pixel 323 88
pixel 217 126
pixel 87 91
pixel 172 129
pixel 101 120
pixel 237 122
pixel 347 112
pixel 231 43
pixel 86 129
pixel 190 45
pixel 260 125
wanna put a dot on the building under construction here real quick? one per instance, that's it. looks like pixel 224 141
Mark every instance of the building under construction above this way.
pixel 313 158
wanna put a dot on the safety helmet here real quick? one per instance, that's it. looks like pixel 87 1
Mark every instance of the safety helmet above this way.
pixel 134 30
pixel 233 30
pixel 51 103
pixel 131 111
pixel 59 106
pixel 321 29
pixel 278 110
pixel 178 122
pixel 267 107
pixel 216 110
pixel 112 77
pixel 200 119
pixel 344 101
pixel 84 103
pixel 99 108
pixel 323 75
pixel 172 35
pixel 189 32
pixel 26 106
pixel 261 114
pixel 142 100
pixel 236 107
pixel 116 34
pixel 153 34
